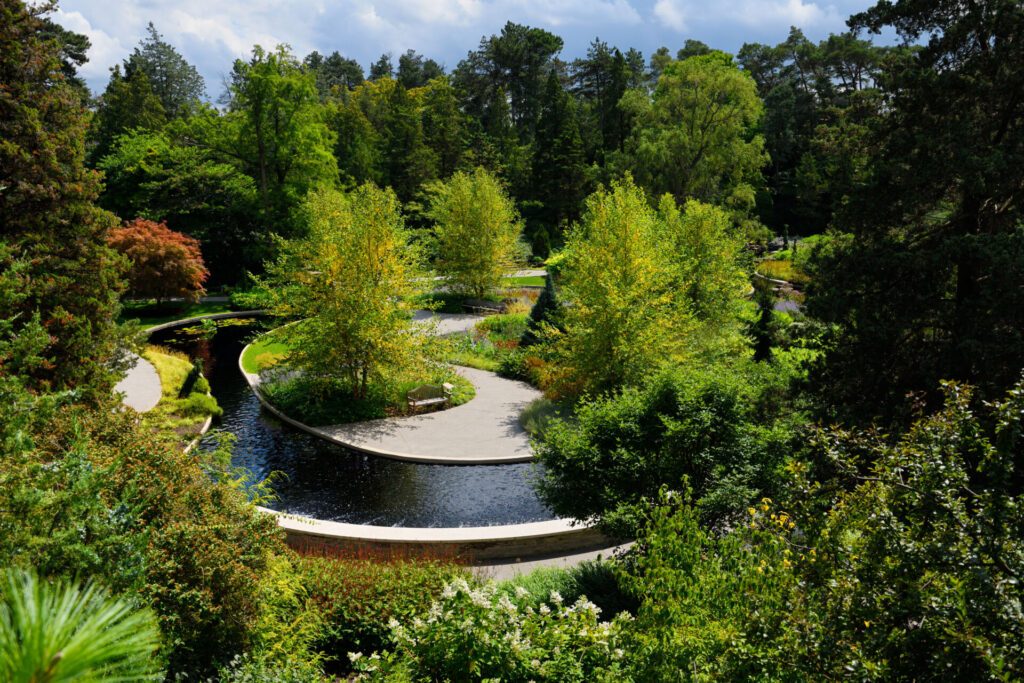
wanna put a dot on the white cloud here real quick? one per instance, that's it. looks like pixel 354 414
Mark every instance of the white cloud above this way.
pixel 671 13
pixel 105 49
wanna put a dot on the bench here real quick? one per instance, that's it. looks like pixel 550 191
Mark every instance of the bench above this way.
pixel 427 395
pixel 483 307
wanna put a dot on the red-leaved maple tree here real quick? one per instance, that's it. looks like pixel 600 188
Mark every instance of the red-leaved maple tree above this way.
pixel 164 263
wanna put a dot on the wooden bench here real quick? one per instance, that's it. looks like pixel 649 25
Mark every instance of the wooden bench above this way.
pixel 483 307
pixel 427 395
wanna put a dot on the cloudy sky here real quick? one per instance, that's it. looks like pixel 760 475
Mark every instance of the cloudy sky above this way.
pixel 212 33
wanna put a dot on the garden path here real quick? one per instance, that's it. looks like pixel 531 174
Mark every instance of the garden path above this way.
pixel 141 386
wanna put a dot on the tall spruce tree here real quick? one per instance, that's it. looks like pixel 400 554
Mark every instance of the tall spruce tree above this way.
pixel 929 284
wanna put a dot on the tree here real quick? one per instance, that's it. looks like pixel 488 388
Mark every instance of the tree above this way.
pixel 694 138
pixel 152 176
pixel 274 130
pixel 333 73
pixel 513 63
pixel 476 231
pixel 74 52
pixel 559 177
pixel 175 82
pixel 349 283
pixel 59 631
pixel 620 449
pixel 622 318
pixel 414 71
pixel 927 284
pixel 128 104
pixel 445 128
pixel 164 263
pixel 72 279
pixel 382 68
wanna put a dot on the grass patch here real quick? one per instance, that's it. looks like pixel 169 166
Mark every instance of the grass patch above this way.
pixel 536 417
pixel 524 281
pixel 265 352
pixel 149 314
pixel 782 270
pixel 182 416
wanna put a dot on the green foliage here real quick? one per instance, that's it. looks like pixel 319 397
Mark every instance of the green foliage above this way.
pixel 67 275
pixel 693 137
pixel 543 315
pixel 127 105
pixel 704 427
pixel 716 608
pixel 936 245
pixel 646 289
pixel 274 131
pixel 58 631
pixel 349 284
pixel 481 634
pixel 356 599
pixel 476 232
pixel 594 580
pixel 175 82
pixel 319 401
pixel 195 190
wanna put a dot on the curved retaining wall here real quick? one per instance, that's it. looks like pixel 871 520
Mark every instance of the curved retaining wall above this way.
pixel 200 318
pixel 510 542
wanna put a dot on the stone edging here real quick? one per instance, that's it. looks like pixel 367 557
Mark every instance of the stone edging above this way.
pixel 254 382
pixel 200 318
pixel 487 543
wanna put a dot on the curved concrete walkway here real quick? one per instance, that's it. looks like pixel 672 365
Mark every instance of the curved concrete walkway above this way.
pixel 141 386
pixel 484 431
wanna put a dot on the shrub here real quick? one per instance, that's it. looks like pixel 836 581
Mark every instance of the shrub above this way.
pixel 623 447
pixel 356 598
pixel 483 634
pixel 59 631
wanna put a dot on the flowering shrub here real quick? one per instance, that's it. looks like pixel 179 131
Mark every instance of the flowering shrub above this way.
pixel 479 634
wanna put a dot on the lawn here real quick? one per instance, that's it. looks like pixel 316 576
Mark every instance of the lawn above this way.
pixel 263 353
pixel 149 314
pixel 525 281
pixel 182 416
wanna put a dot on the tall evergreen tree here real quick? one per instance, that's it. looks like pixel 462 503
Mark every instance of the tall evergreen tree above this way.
pixel 70 278
pixel 176 82
pixel 559 176
pixel 930 283
pixel 127 104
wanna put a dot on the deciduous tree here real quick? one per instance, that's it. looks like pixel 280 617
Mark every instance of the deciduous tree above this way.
pixel 477 231
pixel 164 263
pixel 349 283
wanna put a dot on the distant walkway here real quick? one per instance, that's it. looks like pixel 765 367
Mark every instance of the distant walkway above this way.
pixel 141 386
pixel 449 323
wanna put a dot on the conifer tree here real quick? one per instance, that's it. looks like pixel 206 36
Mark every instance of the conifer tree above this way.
pixel 71 279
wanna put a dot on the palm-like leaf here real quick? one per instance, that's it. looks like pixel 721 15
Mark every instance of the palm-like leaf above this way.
pixel 59 631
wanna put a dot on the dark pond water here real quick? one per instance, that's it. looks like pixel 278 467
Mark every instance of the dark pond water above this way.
pixel 321 480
